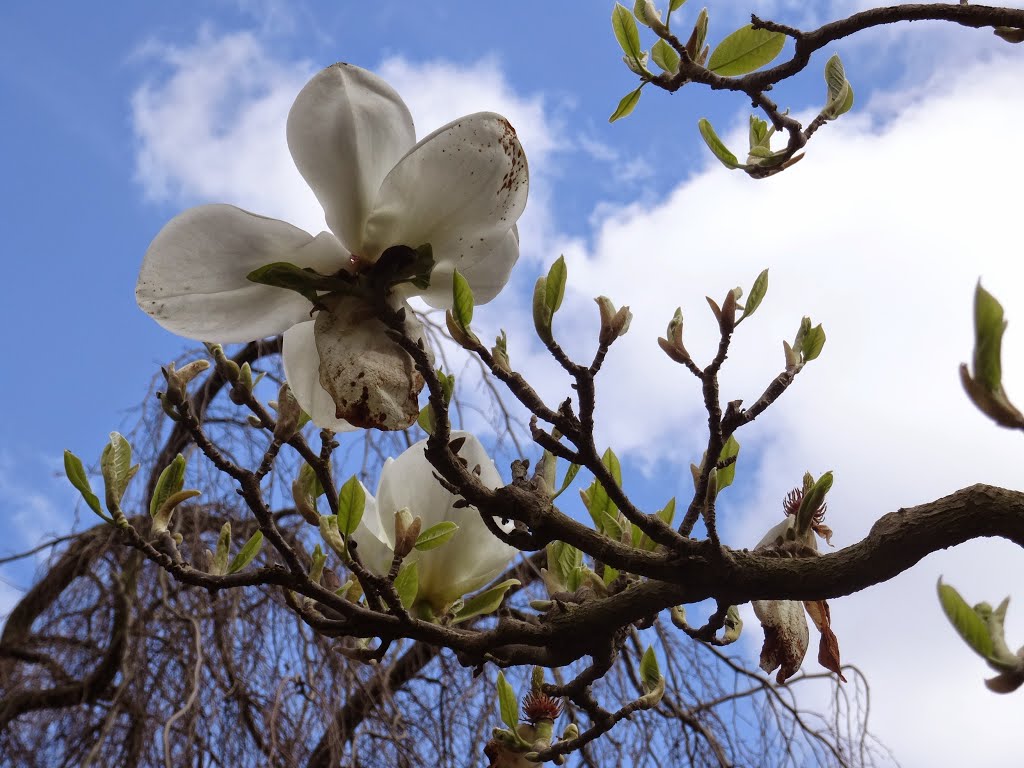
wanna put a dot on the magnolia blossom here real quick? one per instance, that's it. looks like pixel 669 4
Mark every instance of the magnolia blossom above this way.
pixel 460 190
pixel 784 622
pixel 470 559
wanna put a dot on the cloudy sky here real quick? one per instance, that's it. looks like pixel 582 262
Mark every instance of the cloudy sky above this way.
pixel 113 124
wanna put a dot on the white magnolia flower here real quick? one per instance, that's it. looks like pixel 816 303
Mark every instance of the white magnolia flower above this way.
pixel 351 136
pixel 470 559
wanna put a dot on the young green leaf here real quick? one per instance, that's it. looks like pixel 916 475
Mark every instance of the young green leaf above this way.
pixel 436 535
pixel 462 305
pixel 668 512
pixel 610 460
pixel 745 50
pixel 570 475
pixel 715 144
pixel 407 584
pixel 555 285
pixel 965 620
pixel 757 293
pixel 486 602
pixel 351 504
pixel 117 469
pixel 813 342
pixel 626 105
pixel 171 480
pixel 541 310
pixel 76 474
pixel 508 702
pixel 626 31
pixel 727 474
pixel 665 56
pixel 650 674
pixel 426 420
pixel 675 5
pixel 220 559
pixel 247 553
pixel 989 326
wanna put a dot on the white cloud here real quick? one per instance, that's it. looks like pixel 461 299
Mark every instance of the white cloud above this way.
pixel 879 234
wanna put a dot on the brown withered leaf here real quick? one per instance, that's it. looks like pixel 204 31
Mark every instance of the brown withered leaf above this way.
pixel 828 646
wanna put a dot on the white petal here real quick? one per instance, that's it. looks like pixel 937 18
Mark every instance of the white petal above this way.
pixel 466 180
pixel 474 555
pixel 193 277
pixel 785 636
pixel 302 369
pixel 346 130
pixel 373 540
pixel 486 276
pixel 371 379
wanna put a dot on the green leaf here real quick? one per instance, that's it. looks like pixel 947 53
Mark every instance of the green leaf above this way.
pixel 541 310
pixel 835 76
pixel 610 460
pixel 626 105
pixel 650 673
pixel 116 465
pixel 485 602
pixel 462 306
pixel 840 92
pixel 508 702
pixel 965 620
pixel 426 420
pixel 76 474
pixel 305 281
pixel 715 144
pixel 351 504
pixel 665 56
pixel 245 555
pixel 745 50
pixel 675 5
pixel 554 287
pixel 626 31
pixel 171 480
pixel 436 535
pixel 758 133
pixel 668 512
pixel 727 474
pixel 570 475
pixel 220 559
pixel 989 325
pixel 407 584
pixel 813 342
pixel 757 293
pixel 610 574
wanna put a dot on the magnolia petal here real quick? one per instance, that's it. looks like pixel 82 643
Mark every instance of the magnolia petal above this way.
pixel 474 555
pixel 785 636
pixel 193 277
pixel 302 369
pixel 486 276
pixel 372 381
pixel 373 539
pixel 465 181
pixel 346 130
pixel 828 646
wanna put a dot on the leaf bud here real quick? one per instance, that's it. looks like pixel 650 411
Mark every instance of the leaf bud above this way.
pixel 614 322
pixel 407 530
pixel 288 414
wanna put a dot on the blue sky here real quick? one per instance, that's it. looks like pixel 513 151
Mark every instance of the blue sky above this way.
pixel 880 233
